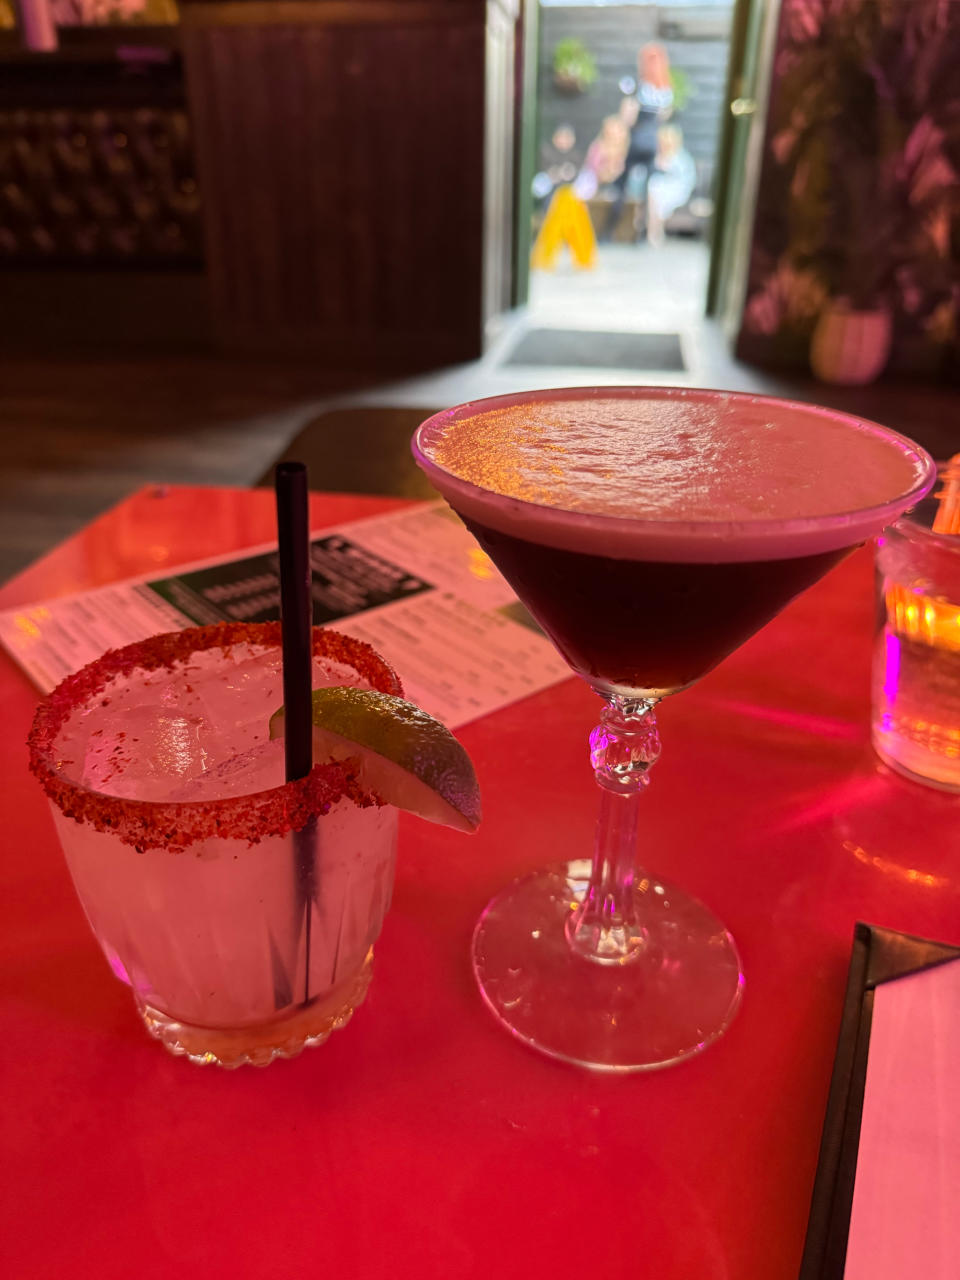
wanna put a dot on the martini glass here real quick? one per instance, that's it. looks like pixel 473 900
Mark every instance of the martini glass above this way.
pixel 650 531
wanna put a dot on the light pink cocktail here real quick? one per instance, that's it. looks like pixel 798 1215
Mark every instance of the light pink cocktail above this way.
pixel 187 848
pixel 650 531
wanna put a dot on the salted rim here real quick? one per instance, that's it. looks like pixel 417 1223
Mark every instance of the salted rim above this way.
pixel 620 537
pixel 174 826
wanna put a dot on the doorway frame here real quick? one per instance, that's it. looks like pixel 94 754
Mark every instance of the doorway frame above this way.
pixel 753 44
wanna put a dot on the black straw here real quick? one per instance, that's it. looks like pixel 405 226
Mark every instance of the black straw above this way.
pixel 296 616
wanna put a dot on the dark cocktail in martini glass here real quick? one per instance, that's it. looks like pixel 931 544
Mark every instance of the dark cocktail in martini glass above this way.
pixel 650 531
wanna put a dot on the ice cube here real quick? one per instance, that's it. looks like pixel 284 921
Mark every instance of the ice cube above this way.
pixel 257 769
pixel 142 752
pixel 240 693
pixel 237 695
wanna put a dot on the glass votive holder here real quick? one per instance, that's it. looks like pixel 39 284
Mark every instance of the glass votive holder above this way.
pixel 916 664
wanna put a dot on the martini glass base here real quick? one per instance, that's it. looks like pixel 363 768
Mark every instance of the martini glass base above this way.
pixel 668 1000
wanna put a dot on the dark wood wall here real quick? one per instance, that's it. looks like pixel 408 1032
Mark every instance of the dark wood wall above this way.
pixel 342 156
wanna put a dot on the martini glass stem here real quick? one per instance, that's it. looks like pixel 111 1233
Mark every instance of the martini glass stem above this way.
pixel 606 928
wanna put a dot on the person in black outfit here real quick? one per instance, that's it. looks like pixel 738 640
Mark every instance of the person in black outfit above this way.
pixel 643 112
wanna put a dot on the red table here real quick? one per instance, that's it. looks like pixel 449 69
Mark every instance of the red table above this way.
pixel 422 1141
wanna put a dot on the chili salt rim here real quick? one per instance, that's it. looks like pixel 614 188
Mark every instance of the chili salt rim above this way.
pixel 175 825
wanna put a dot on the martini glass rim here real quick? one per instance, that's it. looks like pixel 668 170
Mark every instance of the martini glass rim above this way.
pixel 689 536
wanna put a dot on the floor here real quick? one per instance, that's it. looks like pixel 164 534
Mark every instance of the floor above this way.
pixel 78 434
pixel 632 287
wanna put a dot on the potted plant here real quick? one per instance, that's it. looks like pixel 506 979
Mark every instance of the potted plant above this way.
pixel 868 148
pixel 574 66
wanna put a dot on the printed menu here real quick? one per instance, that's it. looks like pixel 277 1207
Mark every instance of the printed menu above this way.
pixel 412 583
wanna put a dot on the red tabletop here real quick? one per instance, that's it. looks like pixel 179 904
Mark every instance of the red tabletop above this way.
pixel 421 1140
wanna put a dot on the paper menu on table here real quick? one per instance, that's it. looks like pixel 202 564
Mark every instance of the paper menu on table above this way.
pixel 905 1219
pixel 413 583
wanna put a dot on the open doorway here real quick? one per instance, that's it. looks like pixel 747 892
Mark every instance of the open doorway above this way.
pixel 630 106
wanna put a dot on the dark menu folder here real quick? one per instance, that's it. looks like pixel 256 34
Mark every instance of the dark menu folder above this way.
pixel 886 1168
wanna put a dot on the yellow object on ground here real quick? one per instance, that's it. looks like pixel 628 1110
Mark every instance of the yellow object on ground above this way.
pixel 567 223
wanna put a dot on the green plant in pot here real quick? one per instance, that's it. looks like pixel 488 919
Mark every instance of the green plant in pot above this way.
pixel 574 66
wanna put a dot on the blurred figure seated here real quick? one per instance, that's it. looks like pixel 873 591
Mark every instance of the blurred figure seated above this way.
pixel 606 157
pixel 671 183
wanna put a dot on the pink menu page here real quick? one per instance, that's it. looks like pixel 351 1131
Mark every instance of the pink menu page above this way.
pixel 905 1219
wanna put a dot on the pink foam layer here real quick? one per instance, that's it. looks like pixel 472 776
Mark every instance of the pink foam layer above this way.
pixel 667 537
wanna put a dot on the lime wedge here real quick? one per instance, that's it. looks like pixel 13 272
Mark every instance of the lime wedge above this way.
pixel 407 758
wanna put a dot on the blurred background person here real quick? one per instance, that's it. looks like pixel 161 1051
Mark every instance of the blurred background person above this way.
pixel 606 156
pixel 643 112
pixel 671 182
